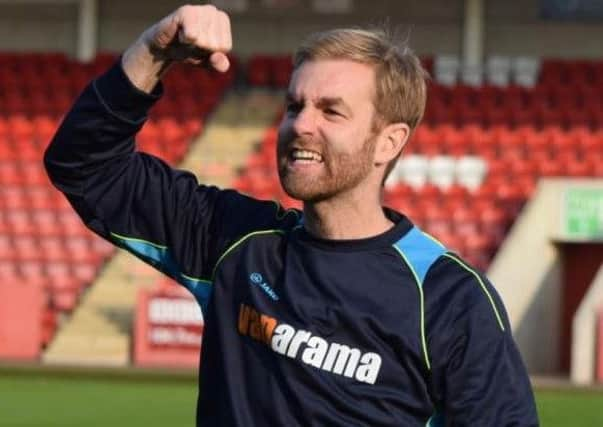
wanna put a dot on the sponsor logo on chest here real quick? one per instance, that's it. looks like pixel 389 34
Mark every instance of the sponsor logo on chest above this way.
pixel 256 279
pixel 307 348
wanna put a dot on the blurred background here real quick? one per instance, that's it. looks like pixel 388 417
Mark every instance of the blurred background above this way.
pixel 506 169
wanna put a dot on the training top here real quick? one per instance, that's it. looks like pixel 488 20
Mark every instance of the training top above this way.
pixel 391 330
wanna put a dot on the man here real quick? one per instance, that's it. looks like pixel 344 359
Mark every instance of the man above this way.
pixel 343 314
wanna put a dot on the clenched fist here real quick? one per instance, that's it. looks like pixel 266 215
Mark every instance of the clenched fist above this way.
pixel 193 34
pixel 198 35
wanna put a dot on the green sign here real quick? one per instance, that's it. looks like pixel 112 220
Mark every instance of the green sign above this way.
pixel 584 213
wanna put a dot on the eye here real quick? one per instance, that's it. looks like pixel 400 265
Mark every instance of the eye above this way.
pixel 293 107
pixel 332 112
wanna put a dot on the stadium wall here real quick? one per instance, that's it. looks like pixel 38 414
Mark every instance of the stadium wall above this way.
pixel 38 27
pixel 587 335
pixel 278 31
pixel 580 262
pixel 526 273
pixel 542 274
pixel 512 27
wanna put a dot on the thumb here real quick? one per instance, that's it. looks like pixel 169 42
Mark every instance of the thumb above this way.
pixel 219 61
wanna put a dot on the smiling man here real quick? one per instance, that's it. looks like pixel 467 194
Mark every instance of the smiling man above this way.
pixel 342 314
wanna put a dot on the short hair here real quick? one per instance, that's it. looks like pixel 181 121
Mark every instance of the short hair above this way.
pixel 400 79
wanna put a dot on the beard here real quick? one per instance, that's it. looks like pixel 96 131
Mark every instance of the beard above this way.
pixel 339 172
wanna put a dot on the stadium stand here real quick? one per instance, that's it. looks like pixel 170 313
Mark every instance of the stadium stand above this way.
pixel 488 136
pixel 477 157
pixel 42 241
pixel 267 70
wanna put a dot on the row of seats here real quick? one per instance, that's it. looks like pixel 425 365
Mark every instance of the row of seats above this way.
pixel 502 71
pixel 55 247
pixel 191 92
pixel 64 74
pixel 269 70
pixel 540 116
pixel 448 70
pixel 526 141
pixel 441 171
pixel 33 199
pixel 25 219
pixel 42 240
pixel 465 185
pixel 61 74
pixel 578 96
pixel 487 103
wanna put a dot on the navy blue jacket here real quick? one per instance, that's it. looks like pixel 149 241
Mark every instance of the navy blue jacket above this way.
pixel 391 330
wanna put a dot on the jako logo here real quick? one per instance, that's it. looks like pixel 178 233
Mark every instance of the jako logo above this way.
pixel 257 280
pixel 310 349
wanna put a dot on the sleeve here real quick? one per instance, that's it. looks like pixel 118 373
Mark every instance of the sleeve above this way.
pixel 477 375
pixel 137 201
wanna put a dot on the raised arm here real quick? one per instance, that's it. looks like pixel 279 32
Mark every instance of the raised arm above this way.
pixel 136 200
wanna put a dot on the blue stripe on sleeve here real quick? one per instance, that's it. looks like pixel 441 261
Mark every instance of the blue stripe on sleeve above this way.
pixel 159 257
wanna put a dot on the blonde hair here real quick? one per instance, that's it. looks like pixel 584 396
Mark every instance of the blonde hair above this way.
pixel 400 79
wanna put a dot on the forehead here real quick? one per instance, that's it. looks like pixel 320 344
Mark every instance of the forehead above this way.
pixel 354 82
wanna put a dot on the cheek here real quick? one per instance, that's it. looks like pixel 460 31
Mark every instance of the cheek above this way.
pixel 344 141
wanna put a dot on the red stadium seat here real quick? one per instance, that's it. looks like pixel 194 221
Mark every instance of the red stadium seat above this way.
pixel 512 198
pixel 465 221
pixel 26 248
pixel 65 300
pixel 258 71
pixel 7 255
pixel 32 271
pixel 85 273
pixel 45 223
pixel 437 221
pixel 478 250
pixel 53 249
pixel 281 73
pixel 576 167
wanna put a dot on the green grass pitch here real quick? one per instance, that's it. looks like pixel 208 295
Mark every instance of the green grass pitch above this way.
pixel 40 399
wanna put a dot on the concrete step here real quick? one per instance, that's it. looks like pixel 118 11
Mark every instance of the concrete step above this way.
pixel 90 349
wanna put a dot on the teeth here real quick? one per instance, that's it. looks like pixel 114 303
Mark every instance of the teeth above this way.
pixel 306 155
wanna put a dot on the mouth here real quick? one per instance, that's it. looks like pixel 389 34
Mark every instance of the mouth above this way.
pixel 299 156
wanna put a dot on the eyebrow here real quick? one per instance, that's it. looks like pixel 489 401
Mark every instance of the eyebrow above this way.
pixel 324 101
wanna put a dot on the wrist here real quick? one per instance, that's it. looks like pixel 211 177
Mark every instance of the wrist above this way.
pixel 144 65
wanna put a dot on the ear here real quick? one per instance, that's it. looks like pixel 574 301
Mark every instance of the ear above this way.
pixel 390 142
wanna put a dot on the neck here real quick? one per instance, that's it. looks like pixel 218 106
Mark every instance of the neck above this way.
pixel 346 218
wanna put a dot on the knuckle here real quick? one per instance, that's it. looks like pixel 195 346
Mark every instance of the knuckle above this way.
pixel 185 9
pixel 228 44
pixel 189 33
